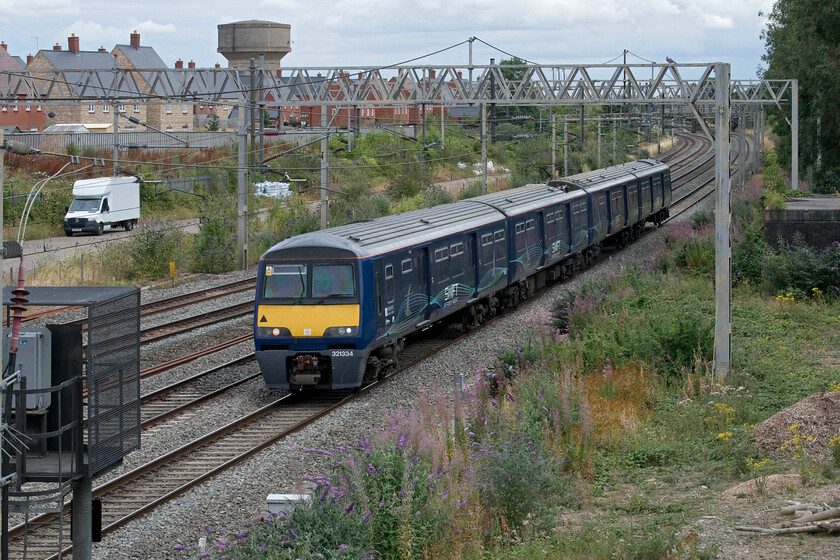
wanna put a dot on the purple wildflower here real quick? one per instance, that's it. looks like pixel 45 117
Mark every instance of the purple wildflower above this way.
pixel 319 452
pixel 462 504
pixel 292 533
pixel 350 507
pixel 179 547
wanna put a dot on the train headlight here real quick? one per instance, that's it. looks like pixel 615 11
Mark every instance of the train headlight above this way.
pixel 266 332
pixel 341 331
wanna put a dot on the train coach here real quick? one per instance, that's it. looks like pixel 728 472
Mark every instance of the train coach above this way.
pixel 333 308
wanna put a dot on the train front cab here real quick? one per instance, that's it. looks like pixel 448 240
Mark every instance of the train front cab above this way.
pixel 307 327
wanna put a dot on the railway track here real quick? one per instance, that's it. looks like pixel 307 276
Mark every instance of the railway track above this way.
pixel 166 304
pixel 155 483
pixel 145 488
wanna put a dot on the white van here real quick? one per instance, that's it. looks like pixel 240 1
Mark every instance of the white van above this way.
pixel 102 204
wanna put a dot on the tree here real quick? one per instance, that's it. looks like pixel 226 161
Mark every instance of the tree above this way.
pixel 213 123
pixel 802 41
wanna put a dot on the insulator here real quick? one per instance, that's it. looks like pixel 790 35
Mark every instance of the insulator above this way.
pixel 11 249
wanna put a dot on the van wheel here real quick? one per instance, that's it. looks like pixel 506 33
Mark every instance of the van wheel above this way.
pixel 68 233
pixel 100 229
pixel 128 225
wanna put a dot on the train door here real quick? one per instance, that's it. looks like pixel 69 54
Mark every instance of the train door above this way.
pixel 500 252
pixel 579 223
pixel 656 188
pixel 618 214
pixel 632 202
pixel 383 279
pixel 413 298
pixel 645 193
pixel 562 243
pixel 486 261
pixel 440 271
pixel 600 216
pixel 666 182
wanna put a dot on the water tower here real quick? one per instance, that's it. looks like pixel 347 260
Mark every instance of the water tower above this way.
pixel 241 41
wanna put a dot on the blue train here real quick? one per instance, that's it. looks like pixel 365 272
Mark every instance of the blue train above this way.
pixel 333 308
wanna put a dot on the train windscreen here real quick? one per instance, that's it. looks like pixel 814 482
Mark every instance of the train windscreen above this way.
pixel 299 281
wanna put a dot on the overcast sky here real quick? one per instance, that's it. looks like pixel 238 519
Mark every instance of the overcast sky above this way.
pixel 383 32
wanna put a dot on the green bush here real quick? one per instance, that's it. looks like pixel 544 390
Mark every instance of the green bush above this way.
pixel 800 269
pixel 215 244
pixel 516 478
pixel 748 256
pixel 149 251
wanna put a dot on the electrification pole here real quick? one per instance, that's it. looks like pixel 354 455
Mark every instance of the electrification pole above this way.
pixel 723 251
pixel 242 191
pixel 483 148
pixel 325 176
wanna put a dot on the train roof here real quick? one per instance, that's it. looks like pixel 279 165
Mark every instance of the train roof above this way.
pixel 527 197
pixel 390 233
pixel 397 230
pixel 614 175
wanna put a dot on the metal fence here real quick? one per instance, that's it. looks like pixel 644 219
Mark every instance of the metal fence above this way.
pixel 113 378
pixel 105 140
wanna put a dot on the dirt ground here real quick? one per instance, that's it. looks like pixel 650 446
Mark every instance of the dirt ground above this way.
pixel 758 502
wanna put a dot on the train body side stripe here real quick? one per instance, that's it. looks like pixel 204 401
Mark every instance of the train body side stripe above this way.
pixel 308 320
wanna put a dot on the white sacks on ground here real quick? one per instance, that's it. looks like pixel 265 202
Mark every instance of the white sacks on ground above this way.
pixel 274 189
pixel 477 167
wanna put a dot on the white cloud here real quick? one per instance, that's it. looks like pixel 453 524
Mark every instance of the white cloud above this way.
pixel 715 21
pixel 150 26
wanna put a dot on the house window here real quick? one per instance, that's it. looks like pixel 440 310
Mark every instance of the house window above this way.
pixel 136 108
pixel 91 107
pixel 224 107
pixel 5 108
pixel 105 108
pixel 28 108
pixel 37 107
pixel 169 129
pixel 185 128
pixel 168 109
pixel 185 108
pixel 121 108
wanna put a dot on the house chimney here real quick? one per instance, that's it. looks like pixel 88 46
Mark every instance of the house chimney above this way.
pixel 218 65
pixel 56 47
pixel 73 43
pixel 135 39
pixel 460 74
pixel 279 73
pixel 191 64
pixel 102 49
pixel 3 44
pixel 179 64
pixel 431 73
pixel 29 58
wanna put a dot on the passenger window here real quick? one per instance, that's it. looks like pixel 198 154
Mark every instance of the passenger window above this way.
pixel 486 239
pixel 441 254
pixel 520 227
pixel 499 235
pixel 406 266
pixel 530 224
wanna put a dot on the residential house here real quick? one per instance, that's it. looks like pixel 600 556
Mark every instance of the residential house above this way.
pixel 24 115
pixel 97 107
